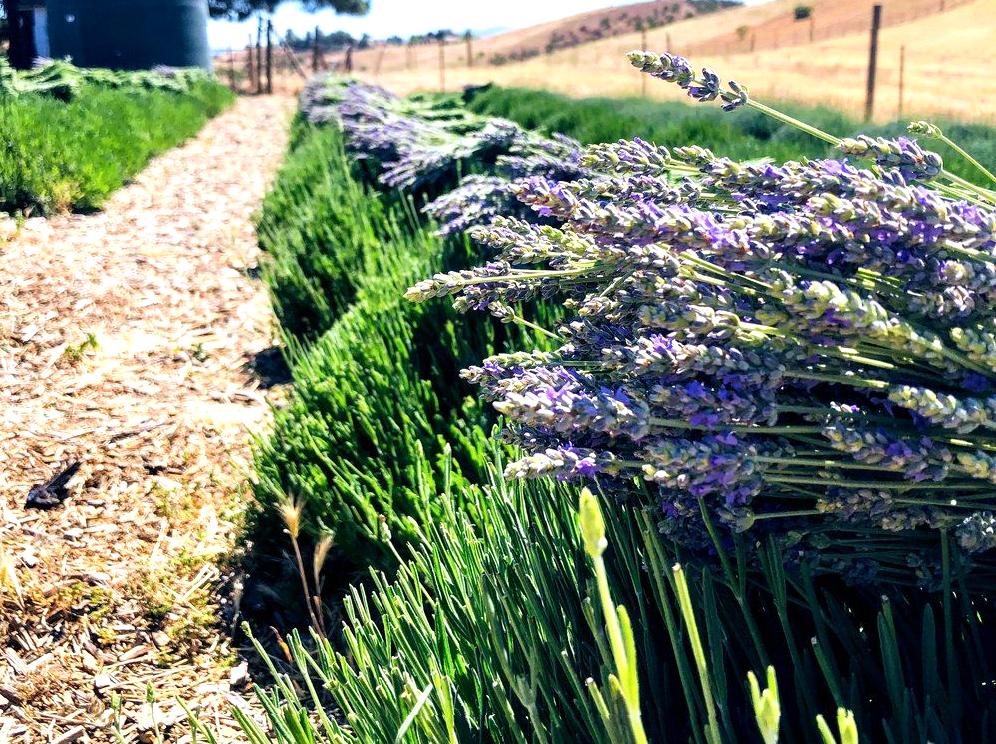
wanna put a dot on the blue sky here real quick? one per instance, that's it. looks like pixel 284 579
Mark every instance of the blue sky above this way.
pixel 407 17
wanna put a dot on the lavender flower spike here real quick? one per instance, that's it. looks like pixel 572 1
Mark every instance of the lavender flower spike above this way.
pixel 902 153
pixel 634 157
pixel 672 68
pixel 924 129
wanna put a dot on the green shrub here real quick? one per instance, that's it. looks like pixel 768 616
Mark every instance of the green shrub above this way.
pixel 57 156
pixel 488 631
pixel 375 400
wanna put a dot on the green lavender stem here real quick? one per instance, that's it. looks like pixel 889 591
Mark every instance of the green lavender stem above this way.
pixel 698 653
pixel 617 622
pixel 961 151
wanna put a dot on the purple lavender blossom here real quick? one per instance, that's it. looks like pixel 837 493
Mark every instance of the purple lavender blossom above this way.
pixel 902 154
pixel 803 350
pixel 674 69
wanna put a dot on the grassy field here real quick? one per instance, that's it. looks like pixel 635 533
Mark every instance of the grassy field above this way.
pixel 947 70
pixel 742 134
pixel 60 156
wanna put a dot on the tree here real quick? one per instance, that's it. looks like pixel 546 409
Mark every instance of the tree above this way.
pixel 242 9
pixel 802 12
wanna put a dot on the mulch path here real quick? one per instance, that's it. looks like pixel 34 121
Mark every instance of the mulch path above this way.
pixel 127 341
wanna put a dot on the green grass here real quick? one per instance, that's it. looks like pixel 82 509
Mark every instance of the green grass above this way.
pixel 742 134
pixel 57 156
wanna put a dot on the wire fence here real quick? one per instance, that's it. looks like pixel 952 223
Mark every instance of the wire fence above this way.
pixel 785 30
pixel 248 70
pixel 826 21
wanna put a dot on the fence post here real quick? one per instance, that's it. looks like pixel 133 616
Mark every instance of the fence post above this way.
pixel 231 69
pixel 872 61
pixel 314 51
pixel 380 60
pixel 269 57
pixel 347 62
pixel 259 55
pixel 292 56
pixel 902 70
pixel 667 41
pixel 812 25
pixel 250 66
pixel 470 50
pixel 442 65
pixel 753 40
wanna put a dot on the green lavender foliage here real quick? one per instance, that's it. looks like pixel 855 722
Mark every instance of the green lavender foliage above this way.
pixel 490 630
pixel 322 226
pixel 374 402
pixel 745 134
pixel 377 389
pixel 436 654
pixel 318 228
pixel 57 156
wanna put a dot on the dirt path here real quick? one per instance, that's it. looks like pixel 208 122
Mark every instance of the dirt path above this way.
pixel 126 343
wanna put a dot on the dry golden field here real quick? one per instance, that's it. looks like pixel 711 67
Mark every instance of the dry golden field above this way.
pixel 610 22
pixel 949 69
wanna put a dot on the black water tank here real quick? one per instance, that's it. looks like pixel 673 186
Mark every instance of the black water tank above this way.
pixel 130 34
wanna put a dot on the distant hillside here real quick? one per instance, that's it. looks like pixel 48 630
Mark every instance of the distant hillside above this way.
pixel 533 41
pixel 595 25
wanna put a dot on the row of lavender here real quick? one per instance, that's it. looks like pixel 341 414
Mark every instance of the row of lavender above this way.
pixel 712 386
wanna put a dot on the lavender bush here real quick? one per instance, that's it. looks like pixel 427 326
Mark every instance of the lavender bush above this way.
pixel 804 350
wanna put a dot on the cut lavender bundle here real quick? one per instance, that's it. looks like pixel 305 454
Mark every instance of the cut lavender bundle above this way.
pixel 806 350
pixel 420 143
pixel 914 161
pixel 410 150
pixel 480 198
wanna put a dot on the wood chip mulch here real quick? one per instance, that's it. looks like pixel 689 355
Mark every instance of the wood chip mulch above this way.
pixel 127 341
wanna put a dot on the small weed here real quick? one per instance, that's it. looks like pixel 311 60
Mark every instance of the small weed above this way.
pixel 174 504
pixel 75 352
pixel 198 352
pixel 157 612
